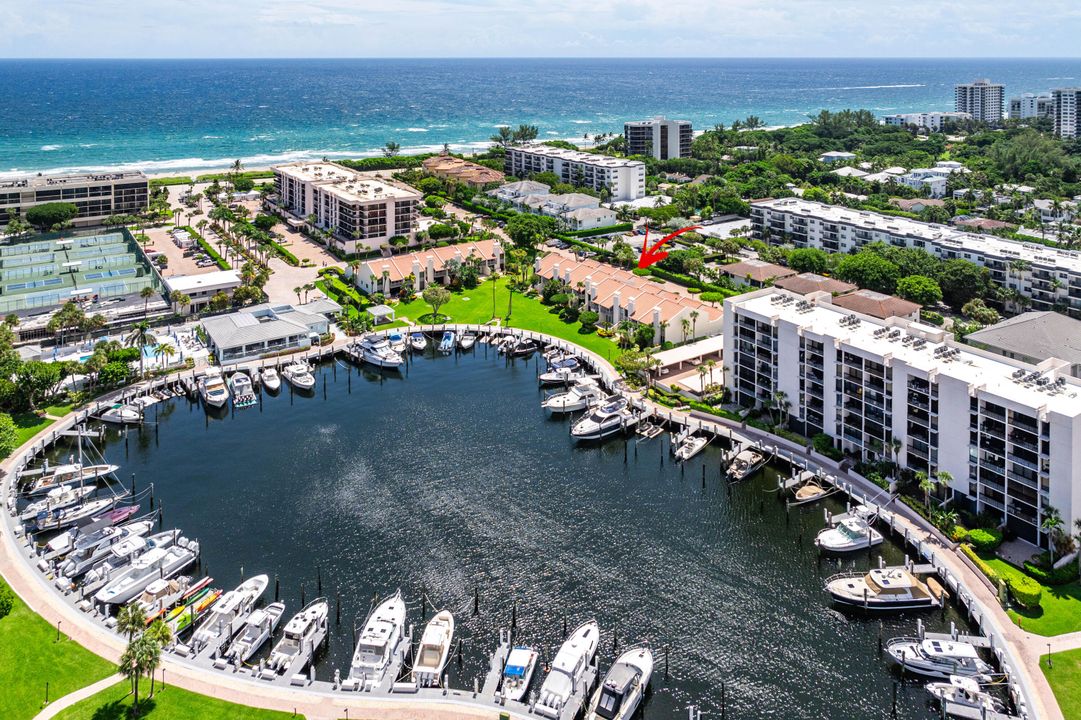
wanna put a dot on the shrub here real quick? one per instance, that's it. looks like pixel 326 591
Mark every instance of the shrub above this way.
pixel 931 317
pixel 7 600
pixel 559 299
pixel 958 534
pixel 711 297
pixel 985 539
pixel 1025 591
pixel 984 567
pixel 641 272
pixel 1065 574
pixel 9 438
pixel 588 319
pixel 694 291
pixel 823 444
pixel 569 314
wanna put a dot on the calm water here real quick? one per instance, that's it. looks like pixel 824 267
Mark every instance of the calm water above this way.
pixel 164 115
pixel 452 478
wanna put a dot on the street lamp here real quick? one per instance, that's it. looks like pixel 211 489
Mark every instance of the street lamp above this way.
pixel 58 630
pixel 1048 655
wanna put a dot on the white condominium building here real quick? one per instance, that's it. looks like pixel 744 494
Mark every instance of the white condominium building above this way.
pixel 1009 433
pixel 96 195
pixel 1050 277
pixel 1031 105
pixel 660 137
pixel 624 179
pixel 982 99
pixel 364 212
pixel 1067 112
pixel 933 121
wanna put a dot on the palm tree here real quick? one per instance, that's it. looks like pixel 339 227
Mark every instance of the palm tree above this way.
pixel 130 620
pixel 1052 521
pixel 298 290
pixel 161 635
pixel 165 351
pixel 944 478
pixel 927 485
pixel 140 337
pixel 685 325
pixel 694 324
pixel 146 293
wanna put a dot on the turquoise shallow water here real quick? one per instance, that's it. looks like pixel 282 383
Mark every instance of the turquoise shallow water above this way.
pixel 165 115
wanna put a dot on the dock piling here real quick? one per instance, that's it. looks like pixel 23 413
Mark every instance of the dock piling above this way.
pixel 277 587
pixel 338 608
pixel 476 601
pixel 319 580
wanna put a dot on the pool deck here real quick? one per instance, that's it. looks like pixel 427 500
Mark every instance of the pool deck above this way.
pixel 1018 651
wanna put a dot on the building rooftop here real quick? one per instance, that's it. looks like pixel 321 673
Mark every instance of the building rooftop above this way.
pixel 805 283
pixel 39 181
pixel 189 283
pixel 923 347
pixel 398 267
pixel 756 270
pixel 1038 335
pixel 345 183
pixel 876 304
pixel 653 120
pixel 262 323
pixel 579 156
pixel 945 236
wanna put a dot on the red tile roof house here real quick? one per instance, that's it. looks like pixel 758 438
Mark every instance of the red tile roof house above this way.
pixel 756 272
pixel 385 275
pixel 617 295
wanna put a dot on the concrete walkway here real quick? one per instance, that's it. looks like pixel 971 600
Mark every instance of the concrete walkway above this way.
pixel 56 706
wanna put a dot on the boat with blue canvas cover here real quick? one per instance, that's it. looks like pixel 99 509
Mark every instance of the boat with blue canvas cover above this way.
pixel 521 663
pixel 418 342
pixel 446 345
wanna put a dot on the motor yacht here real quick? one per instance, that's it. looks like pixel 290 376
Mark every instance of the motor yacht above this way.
pixel 938 658
pixel 852 533
pixel 270 379
pixel 57 499
pixel 966 692
pixel 228 615
pixel 522 347
pixel 375 350
pixel 745 464
pixel 156 563
pixel 521 662
pixel 568 669
pixel 122 414
pixel 610 416
pixel 378 641
pixel 624 687
pixel 161 596
pixel 299 375
pixel 584 393
pixel 71 473
pixel 418 342
pixel 258 628
pixel 240 385
pixel 884 589
pixel 434 650
pixel 561 376
pixel 689 444
pixel 109 543
pixel 78 538
pixel 212 388
pixel 304 633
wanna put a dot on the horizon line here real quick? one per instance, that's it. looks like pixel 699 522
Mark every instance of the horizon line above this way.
pixel 920 58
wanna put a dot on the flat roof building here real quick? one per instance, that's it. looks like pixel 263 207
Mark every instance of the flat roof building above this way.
pixel 622 178
pixel 982 99
pixel 97 195
pixel 1008 432
pixel 659 137
pixel 364 212
pixel 263 330
pixel 933 121
pixel 1031 105
pixel 201 288
pixel 1033 337
pixel 1066 112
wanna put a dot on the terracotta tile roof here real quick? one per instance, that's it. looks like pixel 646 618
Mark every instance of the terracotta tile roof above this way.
pixel 806 283
pixel 399 266
pixel 876 304
pixel 757 270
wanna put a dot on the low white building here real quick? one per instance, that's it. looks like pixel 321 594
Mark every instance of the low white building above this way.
pixel 933 121
pixel 266 330
pixel 201 288
pixel 836 156
pixel 623 179
pixel 589 218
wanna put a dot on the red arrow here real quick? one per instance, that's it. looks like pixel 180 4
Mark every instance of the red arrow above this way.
pixel 653 254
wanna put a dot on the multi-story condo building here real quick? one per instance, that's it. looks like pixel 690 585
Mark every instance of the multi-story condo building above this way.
pixel 1008 433
pixel 1067 112
pixel 660 137
pixel 982 99
pixel 624 179
pixel 96 195
pixel 933 121
pixel 1031 105
pixel 1051 278
pixel 364 212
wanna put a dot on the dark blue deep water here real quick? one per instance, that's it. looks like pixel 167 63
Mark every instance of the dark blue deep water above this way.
pixel 451 478
pixel 165 115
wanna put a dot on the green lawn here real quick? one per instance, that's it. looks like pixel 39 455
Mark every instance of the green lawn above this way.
pixel 475 307
pixel 172 703
pixel 1064 677
pixel 28 424
pixel 59 410
pixel 30 656
pixel 1060 605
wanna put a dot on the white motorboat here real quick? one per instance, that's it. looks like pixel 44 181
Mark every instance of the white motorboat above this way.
pixel 122 414
pixel 228 615
pixel 689 445
pixel 938 658
pixel 161 595
pixel 966 692
pixel 303 634
pixel 258 628
pixel 57 499
pixel 884 589
pixel 852 533
pixel 446 343
pixel 212 388
pixel 299 375
pixel 434 650
pixel 271 380
pixel 809 492
pixel 624 687
pixel 521 662
pixel 240 384
pixel 375 350
pixel 522 347
pixel 609 417
pixel 70 474
pixel 397 342
pixel 74 515
pixel 418 342
pixel 155 563
pixel 378 641
pixel 92 533
pixel 560 362
pixel 467 340
pixel 108 543
pixel 560 376
pixel 745 464
pixel 584 393
pixel 568 669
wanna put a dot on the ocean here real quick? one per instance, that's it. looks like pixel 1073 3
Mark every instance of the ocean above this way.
pixel 165 116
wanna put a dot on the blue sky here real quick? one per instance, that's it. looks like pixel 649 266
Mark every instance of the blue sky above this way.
pixel 559 28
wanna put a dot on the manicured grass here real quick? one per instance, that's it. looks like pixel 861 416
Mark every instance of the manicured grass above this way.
pixel 59 410
pixel 392 324
pixel 28 424
pixel 1064 677
pixel 172 703
pixel 30 656
pixel 1060 605
pixel 475 307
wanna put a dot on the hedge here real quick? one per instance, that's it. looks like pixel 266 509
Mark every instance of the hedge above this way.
pixel 1025 591
pixel 285 255
pixel 688 281
pixel 621 227
pixel 983 566
pixel 985 539
pixel 1059 576
pixel 208 249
